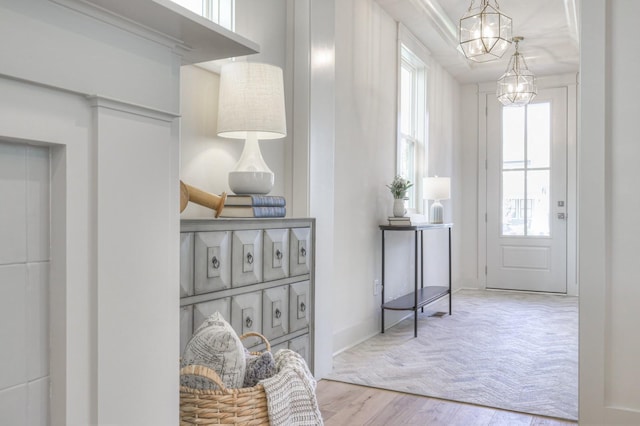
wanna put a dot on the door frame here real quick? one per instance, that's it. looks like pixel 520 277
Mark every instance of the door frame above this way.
pixel 568 81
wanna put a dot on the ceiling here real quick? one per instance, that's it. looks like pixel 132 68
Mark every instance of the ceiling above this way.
pixel 549 27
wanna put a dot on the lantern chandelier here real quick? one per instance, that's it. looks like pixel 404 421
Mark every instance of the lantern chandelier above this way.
pixel 517 86
pixel 485 32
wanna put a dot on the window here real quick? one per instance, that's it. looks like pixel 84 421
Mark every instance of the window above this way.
pixel 412 122
pixel 219 11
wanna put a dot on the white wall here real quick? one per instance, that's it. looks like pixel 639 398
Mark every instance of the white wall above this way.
pixel 444 142
pixel 365 161
pixel 206 159
pixel 468 173
pixel 609 232
pixel 366 45
pixel 24 284
pixel 114 233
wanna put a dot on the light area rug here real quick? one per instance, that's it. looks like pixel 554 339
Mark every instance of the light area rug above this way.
pixel 515 351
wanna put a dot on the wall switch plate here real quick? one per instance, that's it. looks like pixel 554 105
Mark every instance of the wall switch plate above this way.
pixel 376 287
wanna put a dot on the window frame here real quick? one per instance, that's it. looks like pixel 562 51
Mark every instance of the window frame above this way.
pixel 413 56
pixel 213 10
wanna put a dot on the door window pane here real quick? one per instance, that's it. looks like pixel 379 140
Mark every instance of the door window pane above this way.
pixel 513 203
pixel 539 135
pixel 538 217
pixel 513 138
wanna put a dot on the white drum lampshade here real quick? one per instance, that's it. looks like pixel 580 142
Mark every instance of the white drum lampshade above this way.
pixel 251 107
pixel 436 189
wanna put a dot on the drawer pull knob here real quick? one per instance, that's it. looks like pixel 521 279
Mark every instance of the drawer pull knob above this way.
pixel 303 307
pixel 249 258
pixel 278 313
pixel 278 254
pixel 248 322
pixel 215 262
pixel 303 252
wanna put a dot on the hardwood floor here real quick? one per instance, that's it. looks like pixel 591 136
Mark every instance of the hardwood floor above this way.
pixel 344 404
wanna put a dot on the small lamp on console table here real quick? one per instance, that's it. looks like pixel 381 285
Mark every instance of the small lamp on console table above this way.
pixel 251 107
pixel 436 189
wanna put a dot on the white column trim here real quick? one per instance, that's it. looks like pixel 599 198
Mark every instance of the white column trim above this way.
pixel 97 101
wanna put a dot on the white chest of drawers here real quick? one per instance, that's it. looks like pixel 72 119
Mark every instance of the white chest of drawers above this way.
pixel 258 273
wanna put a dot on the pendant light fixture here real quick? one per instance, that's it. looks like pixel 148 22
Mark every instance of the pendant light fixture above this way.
pixel 517 86
pixel 485 32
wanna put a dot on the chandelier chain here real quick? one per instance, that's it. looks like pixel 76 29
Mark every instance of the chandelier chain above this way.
pixel 471 6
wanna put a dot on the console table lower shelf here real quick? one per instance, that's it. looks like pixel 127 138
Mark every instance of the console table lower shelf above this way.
pixel 425 295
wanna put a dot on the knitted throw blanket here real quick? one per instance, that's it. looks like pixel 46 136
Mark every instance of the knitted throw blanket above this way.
pixel 291 393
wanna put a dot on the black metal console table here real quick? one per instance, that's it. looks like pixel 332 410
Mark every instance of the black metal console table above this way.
pixel 422 296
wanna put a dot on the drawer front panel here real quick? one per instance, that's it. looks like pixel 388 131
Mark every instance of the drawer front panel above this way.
pixel 246 313
pixel 186 264
pixel 276 254
pixel 246 257
pixel 300 251
pixel 202 311
pixel 275 312
pixel 301 346
pixel 186 326
pixel 212 261
pixel 299 305
pixel 276 348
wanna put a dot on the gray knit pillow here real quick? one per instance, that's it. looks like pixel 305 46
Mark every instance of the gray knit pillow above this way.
pixel 215 345
pixel 259 367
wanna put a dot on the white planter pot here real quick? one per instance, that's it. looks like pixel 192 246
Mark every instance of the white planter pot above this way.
pixel 398 207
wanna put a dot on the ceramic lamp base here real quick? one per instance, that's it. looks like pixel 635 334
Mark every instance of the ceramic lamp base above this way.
pixel 436 213
pixel 242 182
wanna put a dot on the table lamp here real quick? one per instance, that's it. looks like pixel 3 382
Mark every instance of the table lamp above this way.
pixel 251 107
pixel 436 189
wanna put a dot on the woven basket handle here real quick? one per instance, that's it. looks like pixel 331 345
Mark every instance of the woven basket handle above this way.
pixel 254 334
pixel 201 370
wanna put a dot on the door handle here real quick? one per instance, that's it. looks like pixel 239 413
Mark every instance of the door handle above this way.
pixel 562 216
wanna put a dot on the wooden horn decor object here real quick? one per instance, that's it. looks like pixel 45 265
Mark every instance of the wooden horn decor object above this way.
pixel 198 196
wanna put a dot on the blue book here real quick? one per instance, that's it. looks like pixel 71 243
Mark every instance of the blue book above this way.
pixel 251 211
pixel 255 200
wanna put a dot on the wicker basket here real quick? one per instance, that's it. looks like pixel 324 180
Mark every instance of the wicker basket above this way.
pixel 245 406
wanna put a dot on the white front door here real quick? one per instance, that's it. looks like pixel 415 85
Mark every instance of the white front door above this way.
pixel 527 194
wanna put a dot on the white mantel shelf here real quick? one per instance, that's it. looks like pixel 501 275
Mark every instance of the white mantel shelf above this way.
pixel 198 38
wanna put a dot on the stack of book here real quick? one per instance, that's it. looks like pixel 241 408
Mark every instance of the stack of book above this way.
pixel 254 206
pixel 412 220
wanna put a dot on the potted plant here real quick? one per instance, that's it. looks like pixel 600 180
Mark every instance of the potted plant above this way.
pixel 398 188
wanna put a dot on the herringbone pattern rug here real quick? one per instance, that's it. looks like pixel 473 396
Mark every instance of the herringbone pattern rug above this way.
pixel 514 351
